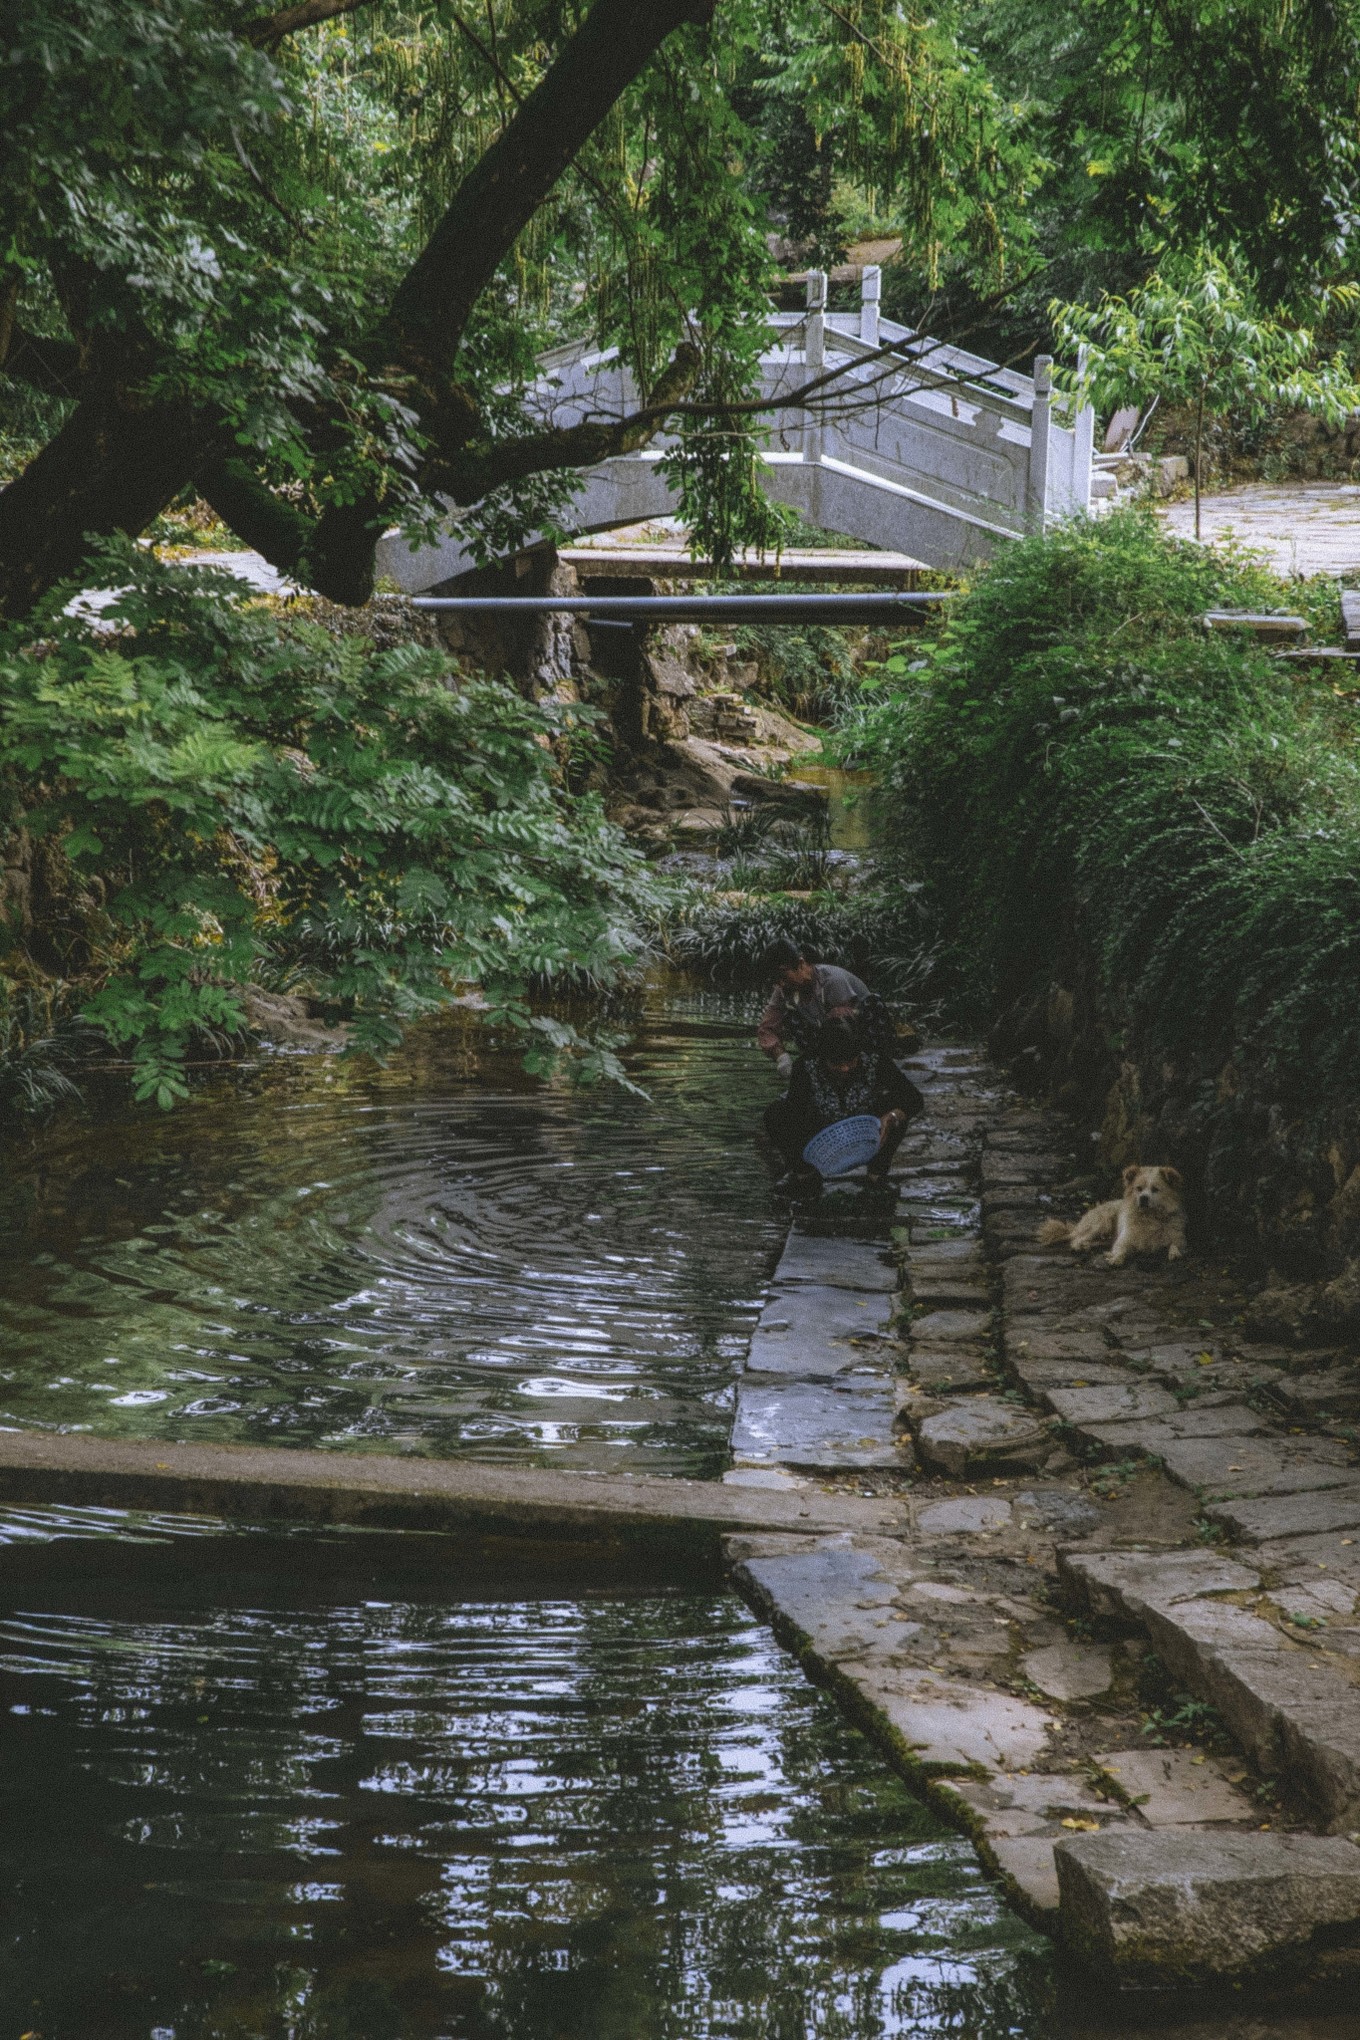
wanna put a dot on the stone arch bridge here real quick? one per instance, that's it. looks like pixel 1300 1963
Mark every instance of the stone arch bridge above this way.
pixel 920 448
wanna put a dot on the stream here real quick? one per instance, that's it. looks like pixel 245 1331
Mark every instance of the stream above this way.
pixel 443 1256
pixel 319 1786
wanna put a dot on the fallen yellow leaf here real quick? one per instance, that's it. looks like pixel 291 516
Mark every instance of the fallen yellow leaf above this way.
pixel 1086 1827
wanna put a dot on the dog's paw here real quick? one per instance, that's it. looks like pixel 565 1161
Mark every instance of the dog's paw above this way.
pixel 1114 1259
pixel 1175 1253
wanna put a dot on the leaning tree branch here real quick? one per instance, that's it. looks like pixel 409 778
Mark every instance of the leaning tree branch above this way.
pixel 473 471
pixel 53 366
pixel 121 457
pixel 500 195
pixel 251 509
pixel 270 29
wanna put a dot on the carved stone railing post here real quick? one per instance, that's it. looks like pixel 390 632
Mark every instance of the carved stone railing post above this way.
pixel 870 292
pixel 814 357
pixel 1036 495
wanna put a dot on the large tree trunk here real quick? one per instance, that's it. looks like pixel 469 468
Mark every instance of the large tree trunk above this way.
pixel 114 466
pixel 118 462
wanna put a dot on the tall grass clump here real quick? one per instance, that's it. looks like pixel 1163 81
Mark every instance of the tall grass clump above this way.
pixel 1089 781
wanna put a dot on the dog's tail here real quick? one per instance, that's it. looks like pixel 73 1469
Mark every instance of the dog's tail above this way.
pixel 1055 1232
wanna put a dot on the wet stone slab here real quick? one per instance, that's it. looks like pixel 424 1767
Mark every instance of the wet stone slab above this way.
pixel 840 1263
pixel 802 1424
pixel 812 1331
pixel 835 1597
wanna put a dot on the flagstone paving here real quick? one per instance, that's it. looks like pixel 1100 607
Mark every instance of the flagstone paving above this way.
pixel 1115 1633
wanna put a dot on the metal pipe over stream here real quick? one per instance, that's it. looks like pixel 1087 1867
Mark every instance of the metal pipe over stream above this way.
pixel 786 609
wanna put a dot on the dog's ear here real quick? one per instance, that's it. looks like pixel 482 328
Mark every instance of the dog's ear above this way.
pixel 1173 1177
pixel 1130 1173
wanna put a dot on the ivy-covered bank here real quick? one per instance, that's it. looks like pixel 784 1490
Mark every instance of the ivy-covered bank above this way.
pixel 1141 847
pixel 198 795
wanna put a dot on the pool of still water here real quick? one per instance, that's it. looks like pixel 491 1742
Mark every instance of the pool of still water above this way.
pixel 444 1256
pixel 260 1789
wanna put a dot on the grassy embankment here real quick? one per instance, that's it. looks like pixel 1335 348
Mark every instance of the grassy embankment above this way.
pixel 1100 794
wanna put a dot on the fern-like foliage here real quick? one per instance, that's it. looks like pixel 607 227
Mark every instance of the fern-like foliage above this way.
pixel 244 798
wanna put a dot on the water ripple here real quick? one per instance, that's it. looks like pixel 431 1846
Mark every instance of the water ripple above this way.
pixel 621 1815
pixel 431 1258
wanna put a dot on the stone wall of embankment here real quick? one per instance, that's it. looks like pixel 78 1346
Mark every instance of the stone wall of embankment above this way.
pixel 1265 1173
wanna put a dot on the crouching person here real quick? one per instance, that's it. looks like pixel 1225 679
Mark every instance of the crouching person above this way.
pixel 842 1077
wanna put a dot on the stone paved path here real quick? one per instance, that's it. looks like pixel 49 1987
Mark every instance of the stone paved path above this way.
pixel 1109 1515
pixel 1309 528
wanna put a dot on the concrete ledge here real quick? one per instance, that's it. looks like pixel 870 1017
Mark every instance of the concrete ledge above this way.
pixel 381 1491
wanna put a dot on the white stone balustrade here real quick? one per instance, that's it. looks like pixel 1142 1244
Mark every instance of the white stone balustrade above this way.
pixel 910 444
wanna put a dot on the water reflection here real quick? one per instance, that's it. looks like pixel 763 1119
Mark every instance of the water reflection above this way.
pixel 606 1815
pixel 436 1257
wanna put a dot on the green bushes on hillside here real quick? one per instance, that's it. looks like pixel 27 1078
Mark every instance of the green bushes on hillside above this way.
pixel 198 794
pixel 1080 770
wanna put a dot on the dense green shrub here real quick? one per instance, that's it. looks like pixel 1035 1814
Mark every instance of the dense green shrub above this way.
pixel 1080 769
pixel 237 796
pixel 728 936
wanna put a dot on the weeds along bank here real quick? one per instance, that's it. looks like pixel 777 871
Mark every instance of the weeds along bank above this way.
pixel 1141 850
pixel 199 796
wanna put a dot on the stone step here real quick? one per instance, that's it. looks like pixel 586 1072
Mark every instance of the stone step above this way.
pixel 814 1331
pixel 841 1263
pixel 982 1434
pixel 1263 1519
pixel 817 1425
pixel 1201 1909
pixel 1295 1713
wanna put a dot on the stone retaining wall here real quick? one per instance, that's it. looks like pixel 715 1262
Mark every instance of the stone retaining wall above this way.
pixel 1277 1177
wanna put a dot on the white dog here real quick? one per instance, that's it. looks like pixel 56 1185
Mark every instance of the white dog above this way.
pixel 1150 1215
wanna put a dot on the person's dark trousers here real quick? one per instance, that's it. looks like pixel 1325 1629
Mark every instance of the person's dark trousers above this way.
pixel 882 1161
pixel 788 1130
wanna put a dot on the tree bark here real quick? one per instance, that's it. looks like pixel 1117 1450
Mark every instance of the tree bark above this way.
pixel 113 466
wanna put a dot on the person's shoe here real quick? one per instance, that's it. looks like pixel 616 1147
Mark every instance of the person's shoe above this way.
pixel 802 1182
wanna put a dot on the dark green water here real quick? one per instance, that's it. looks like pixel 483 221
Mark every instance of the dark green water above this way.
pixel 441 1257
pixel 249 1788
